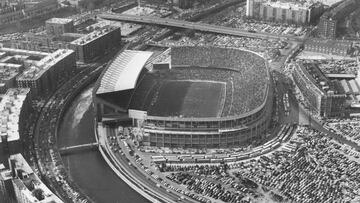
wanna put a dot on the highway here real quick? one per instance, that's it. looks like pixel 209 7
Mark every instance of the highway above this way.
pixel 45 128
pixel 194 26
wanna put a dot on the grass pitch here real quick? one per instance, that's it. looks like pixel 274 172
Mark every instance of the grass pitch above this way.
pixel 188 99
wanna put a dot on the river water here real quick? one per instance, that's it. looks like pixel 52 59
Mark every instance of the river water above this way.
pixel 88 169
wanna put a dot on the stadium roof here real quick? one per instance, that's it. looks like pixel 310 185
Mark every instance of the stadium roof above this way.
pixel 123 71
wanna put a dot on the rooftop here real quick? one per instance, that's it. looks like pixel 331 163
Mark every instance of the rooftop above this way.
pixel 35 71
pixel 9 71
pixel 28 182
pixel 11 51
pixel 93 35
pixel 320 79
pixel 5 174
pixel 123 71
pixel 293 5
pixel 10 107
pixel 59 20
pixel 13 61
pixel 329 43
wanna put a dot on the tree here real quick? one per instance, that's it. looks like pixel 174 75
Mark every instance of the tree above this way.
pixel 39 194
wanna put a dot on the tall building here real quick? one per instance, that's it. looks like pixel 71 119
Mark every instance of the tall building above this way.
pixel 329 21
pixel 6 188
pixel 325 97
pixel 97 43
pixel 288 11
pixel 28 187
pixel 253 8
pixel 327 26
pixel 47 74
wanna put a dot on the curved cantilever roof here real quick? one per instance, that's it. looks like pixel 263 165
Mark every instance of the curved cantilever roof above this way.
pixel 123 71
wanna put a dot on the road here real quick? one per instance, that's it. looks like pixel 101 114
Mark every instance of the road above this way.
pixel 146 180
pixel 299 114
pixel 194 26
pixel 45 127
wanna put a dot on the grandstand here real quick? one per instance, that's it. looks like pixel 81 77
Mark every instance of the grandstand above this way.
pixel 206 96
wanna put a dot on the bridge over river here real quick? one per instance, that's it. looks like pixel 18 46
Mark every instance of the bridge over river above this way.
pixel 78 148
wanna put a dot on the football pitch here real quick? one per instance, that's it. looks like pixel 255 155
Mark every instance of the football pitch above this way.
pixel 189 99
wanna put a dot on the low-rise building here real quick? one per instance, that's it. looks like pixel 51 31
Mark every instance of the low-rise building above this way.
pixel 45 42
pixel 59 26
pixel 13 62
pixel 28 187
pixel 332 47
pixel 87 45
pixel 8 73
pixel 27 10
pixel 14 107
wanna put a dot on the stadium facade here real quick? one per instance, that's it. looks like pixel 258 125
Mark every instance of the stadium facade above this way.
pixel 206 97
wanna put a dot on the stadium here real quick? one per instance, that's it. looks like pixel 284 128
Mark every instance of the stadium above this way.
pixel 205 97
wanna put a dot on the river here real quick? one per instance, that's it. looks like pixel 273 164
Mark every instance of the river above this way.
pixel 88 169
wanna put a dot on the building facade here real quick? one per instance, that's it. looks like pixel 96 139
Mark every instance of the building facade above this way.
pixel 332 47
pixel 322 95
pixel 97 43
pixel 327 26
pixel 13 62
pixel 6 188
pixel 283 11
pixel 60 34
pixel 183 4
pixel 28 187
pixel 329 21
pixel 45 42
pixel 59 26
pixel 50 72
pixel 24 10
pixel 14 107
